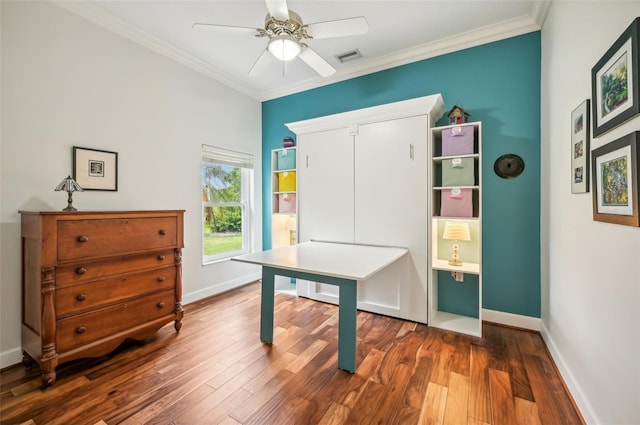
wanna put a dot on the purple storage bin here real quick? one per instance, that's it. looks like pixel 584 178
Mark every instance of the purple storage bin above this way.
pixel 457 140
pixel 287 203
pixel 456 203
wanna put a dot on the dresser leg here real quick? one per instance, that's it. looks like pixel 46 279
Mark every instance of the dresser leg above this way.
pixel 48 378
pixel 27 361
pixel 179 314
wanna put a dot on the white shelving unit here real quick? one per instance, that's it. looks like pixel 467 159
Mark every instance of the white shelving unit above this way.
pixel 455 292
pixel 283 211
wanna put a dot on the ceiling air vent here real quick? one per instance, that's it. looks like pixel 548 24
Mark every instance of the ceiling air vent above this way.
pixel 349 56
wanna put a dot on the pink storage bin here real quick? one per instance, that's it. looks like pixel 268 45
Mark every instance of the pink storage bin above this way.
pixel 287 203
pixel 456 203
pixel 457 140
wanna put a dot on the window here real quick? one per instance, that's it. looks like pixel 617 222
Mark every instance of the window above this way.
pixel 227 178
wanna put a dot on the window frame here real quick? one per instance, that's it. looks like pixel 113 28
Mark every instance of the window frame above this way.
pixel 243 161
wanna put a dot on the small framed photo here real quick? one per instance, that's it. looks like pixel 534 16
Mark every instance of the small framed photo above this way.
pixel 615 181
pixel 580 130
pixel 95 169
pixel 614 82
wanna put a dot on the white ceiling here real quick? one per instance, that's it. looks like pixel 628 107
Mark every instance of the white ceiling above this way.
pixel 400 32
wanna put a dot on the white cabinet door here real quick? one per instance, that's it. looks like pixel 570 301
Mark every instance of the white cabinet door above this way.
pixel 371 189
pixel 325 197
pixel 391 209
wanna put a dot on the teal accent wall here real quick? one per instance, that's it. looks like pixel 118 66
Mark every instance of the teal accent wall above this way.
pixel 499 84
pixel 458 297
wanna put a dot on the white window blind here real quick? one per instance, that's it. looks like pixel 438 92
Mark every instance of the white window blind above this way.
pixel 222 156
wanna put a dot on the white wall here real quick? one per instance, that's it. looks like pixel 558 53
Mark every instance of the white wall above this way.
pixel 67 82
pixel 591 270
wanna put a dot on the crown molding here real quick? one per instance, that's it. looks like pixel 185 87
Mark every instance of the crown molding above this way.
pixel 433 105
pixel 489 34
pixel 101 17
pixel 507 29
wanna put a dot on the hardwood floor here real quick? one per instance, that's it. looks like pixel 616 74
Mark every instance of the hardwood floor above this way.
pixel 216 371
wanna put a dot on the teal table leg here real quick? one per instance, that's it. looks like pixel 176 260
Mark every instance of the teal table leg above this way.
pixel 267 306
pixel 347 309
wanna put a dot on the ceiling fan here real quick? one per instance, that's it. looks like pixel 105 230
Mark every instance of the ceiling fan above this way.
pixel 286 33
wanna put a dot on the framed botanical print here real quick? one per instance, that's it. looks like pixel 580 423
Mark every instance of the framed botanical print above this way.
pixel 580 130
pixel 614 82
pixel 615 181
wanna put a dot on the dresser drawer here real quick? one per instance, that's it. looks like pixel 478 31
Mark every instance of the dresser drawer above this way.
pixel 86 271
pixel 101 238
pixel 79 298
pixel 85 328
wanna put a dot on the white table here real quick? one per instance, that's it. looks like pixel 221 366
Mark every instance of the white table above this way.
pixel 338 264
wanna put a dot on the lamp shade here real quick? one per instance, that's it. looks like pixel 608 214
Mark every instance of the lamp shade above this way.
pixel 456 231
pixel 69 185
pixel 284 47
pixel 291 223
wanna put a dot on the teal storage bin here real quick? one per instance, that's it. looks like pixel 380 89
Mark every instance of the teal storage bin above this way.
pixel 287 159
pixel 458 172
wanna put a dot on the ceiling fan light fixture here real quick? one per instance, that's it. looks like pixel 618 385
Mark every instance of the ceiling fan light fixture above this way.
pixel 284 47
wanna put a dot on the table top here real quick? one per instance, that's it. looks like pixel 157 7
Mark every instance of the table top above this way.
pixel 342 260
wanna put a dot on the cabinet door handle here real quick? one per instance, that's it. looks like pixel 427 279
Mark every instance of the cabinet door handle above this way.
pixel 161 278
pixel 162 232
pixel 81 329
pixel 83 238
pixel 161 305
pixel 81 297
pixel 160 257
pixel 81 270
pixel 411 151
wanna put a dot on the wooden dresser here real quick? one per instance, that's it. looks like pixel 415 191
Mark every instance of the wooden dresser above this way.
pixel 90 280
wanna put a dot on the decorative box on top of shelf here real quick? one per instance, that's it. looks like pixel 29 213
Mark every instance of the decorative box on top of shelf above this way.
pixel 455 183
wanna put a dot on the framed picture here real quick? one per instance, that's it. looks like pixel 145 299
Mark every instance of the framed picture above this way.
pixel 615 181
pixel 580 130
pixel 614 82
pixel 95 169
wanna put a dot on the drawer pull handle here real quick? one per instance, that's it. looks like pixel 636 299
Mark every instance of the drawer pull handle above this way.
pixel 83 238
pixel 160 257
pixel 160 305
pixel 81 297
pixel 162 232
pixel 161 278
pixel 81 330
pixel 81 270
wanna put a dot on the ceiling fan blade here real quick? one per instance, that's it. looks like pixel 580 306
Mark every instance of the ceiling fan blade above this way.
pixel 316 62
pixel 261 65
pixel 217 29
pixel 339 28
pixel 278 9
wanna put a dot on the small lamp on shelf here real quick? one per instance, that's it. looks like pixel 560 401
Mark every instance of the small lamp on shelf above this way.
pixel 69 185
pixel 291 227
pixel 456 231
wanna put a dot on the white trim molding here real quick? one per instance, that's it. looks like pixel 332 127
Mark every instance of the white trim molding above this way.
pixel 220 288
pixel 569 379
pixel 510 319
pixel 10 357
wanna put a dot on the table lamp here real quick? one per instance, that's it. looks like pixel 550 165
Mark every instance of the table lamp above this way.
pixel 69 185
pixel 456 231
